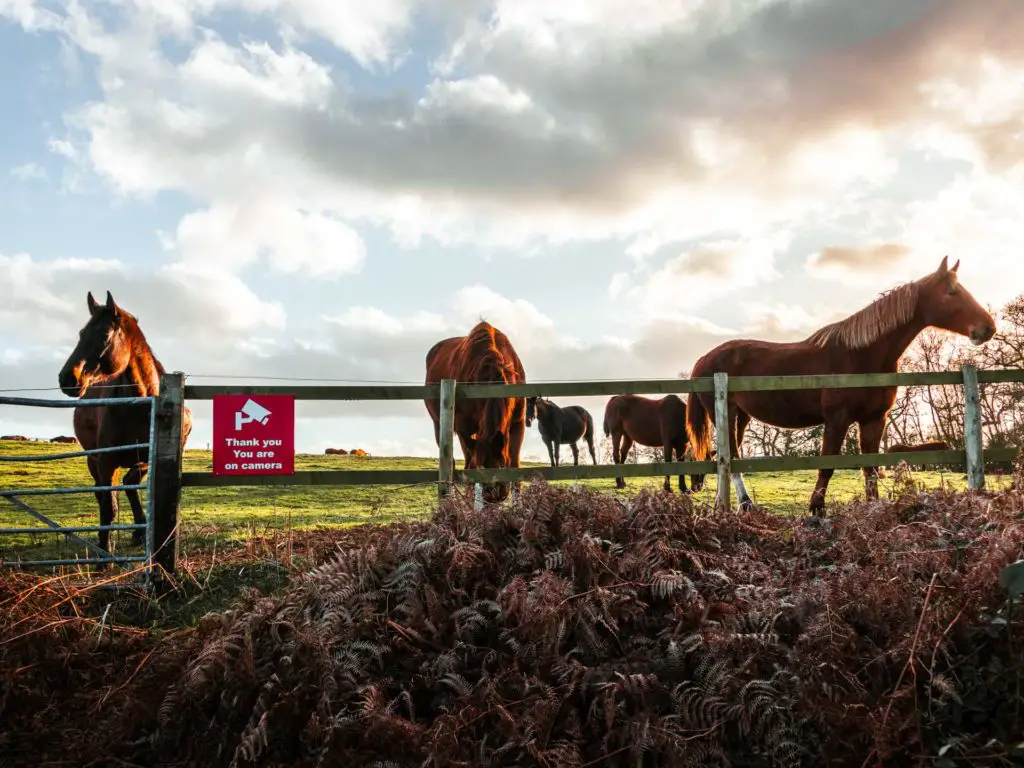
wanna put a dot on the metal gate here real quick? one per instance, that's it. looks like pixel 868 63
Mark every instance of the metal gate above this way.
pixel 96 554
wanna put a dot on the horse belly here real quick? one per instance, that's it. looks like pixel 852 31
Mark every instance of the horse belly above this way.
pixel 786 409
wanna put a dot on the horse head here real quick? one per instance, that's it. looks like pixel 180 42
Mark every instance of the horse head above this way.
pixel 944 303
pixel 104 349
pixel 531 410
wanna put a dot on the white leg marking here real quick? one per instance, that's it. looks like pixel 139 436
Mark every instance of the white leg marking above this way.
pixel 741 489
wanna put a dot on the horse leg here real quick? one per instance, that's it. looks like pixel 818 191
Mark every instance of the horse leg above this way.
pixel 575 454
pixel 551 452
pixel 736 448
pixel 831 444
pixel 590 442
pixel 516 433
pixel 134 476
pixel 870 440
pixel 105 474
pixel 627 443
pixel 667 452
pixel 617 456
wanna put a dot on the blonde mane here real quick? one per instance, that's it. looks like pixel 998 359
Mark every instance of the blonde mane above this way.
pixel 892 309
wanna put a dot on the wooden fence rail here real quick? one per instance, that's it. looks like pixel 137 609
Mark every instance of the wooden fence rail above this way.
pixel 171 479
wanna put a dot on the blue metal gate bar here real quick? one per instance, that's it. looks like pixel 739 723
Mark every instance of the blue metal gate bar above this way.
pixel 78 528
pixel 74 454
pixel 76 402
pixel 44 519
pixel 76 489
pixel 71 531
pixel 111 559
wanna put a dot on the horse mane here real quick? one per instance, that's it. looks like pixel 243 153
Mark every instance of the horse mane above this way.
pixel 145 374
pixel 890 310
pixel 487 363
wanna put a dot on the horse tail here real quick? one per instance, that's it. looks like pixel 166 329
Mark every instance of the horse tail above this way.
pixel 698 423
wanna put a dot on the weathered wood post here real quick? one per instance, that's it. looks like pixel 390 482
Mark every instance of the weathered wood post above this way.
pixel 166 469
pixel 722 438
pixel 972 429
pixel 446 447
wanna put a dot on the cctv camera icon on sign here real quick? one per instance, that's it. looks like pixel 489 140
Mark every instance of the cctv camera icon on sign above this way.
pixel 251 411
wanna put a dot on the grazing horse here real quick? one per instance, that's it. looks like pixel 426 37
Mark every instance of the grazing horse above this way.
pixel 634 419
pixel 561 425
pixel 113 359
pixel 871 340
pixel 490 430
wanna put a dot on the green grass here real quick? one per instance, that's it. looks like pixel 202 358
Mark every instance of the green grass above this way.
pixel 222 516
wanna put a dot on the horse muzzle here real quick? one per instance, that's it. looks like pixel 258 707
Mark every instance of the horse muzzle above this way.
pixel 72 381
pixel 495 493
pixel 982 335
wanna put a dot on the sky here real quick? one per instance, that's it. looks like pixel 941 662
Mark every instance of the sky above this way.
pixel 322 189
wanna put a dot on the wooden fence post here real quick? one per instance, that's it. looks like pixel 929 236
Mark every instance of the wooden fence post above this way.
pixel 722 438
pixel 446 443
pixel 972 429
pixel 166 466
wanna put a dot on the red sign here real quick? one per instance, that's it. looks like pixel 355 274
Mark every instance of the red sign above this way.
pixel 253 435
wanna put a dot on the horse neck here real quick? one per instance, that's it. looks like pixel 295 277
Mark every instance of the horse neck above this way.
pixel 883 355
pixel 141 377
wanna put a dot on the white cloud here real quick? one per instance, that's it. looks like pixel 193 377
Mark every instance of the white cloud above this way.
pixel 258 71
pixel 779 111
pixel 29 172
pixel 235 235
pixel 699 276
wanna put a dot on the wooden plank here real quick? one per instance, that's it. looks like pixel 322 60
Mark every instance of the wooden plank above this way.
pixel 841 381
pixel 604 388
pixel 722 438
pixel 354 392
pixel 845 461
pixel 446 439
pixel 166 469
pixel 1001 376
pixel 588 472
pixel 972 429
pixel 340 477
pixel 585 388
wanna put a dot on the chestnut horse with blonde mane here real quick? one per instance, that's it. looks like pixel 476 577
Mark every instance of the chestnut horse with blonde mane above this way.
pixel 871 340
pixel 113 359
pixel 490 430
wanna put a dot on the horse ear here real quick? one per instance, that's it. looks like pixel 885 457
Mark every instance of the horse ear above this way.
pixel 955 267
pixel 110 302
pixel 93 306
pixel 944 266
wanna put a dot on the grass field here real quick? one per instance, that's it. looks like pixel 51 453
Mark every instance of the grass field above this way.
pixel 222 516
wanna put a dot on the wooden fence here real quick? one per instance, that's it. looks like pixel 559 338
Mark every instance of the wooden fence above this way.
pixel 170 478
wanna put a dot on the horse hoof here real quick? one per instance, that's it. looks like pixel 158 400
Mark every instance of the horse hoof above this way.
pixel 746 505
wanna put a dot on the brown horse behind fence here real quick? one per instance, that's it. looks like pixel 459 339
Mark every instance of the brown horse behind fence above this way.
pixel 113 359
pixel 660 423
pixel 490 430
pixel 871 340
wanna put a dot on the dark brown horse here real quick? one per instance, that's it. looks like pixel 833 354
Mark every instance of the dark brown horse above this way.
pixel 871 340
pixel 490 430
pixel 113 359
pixel 655 423
pixel 560 425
